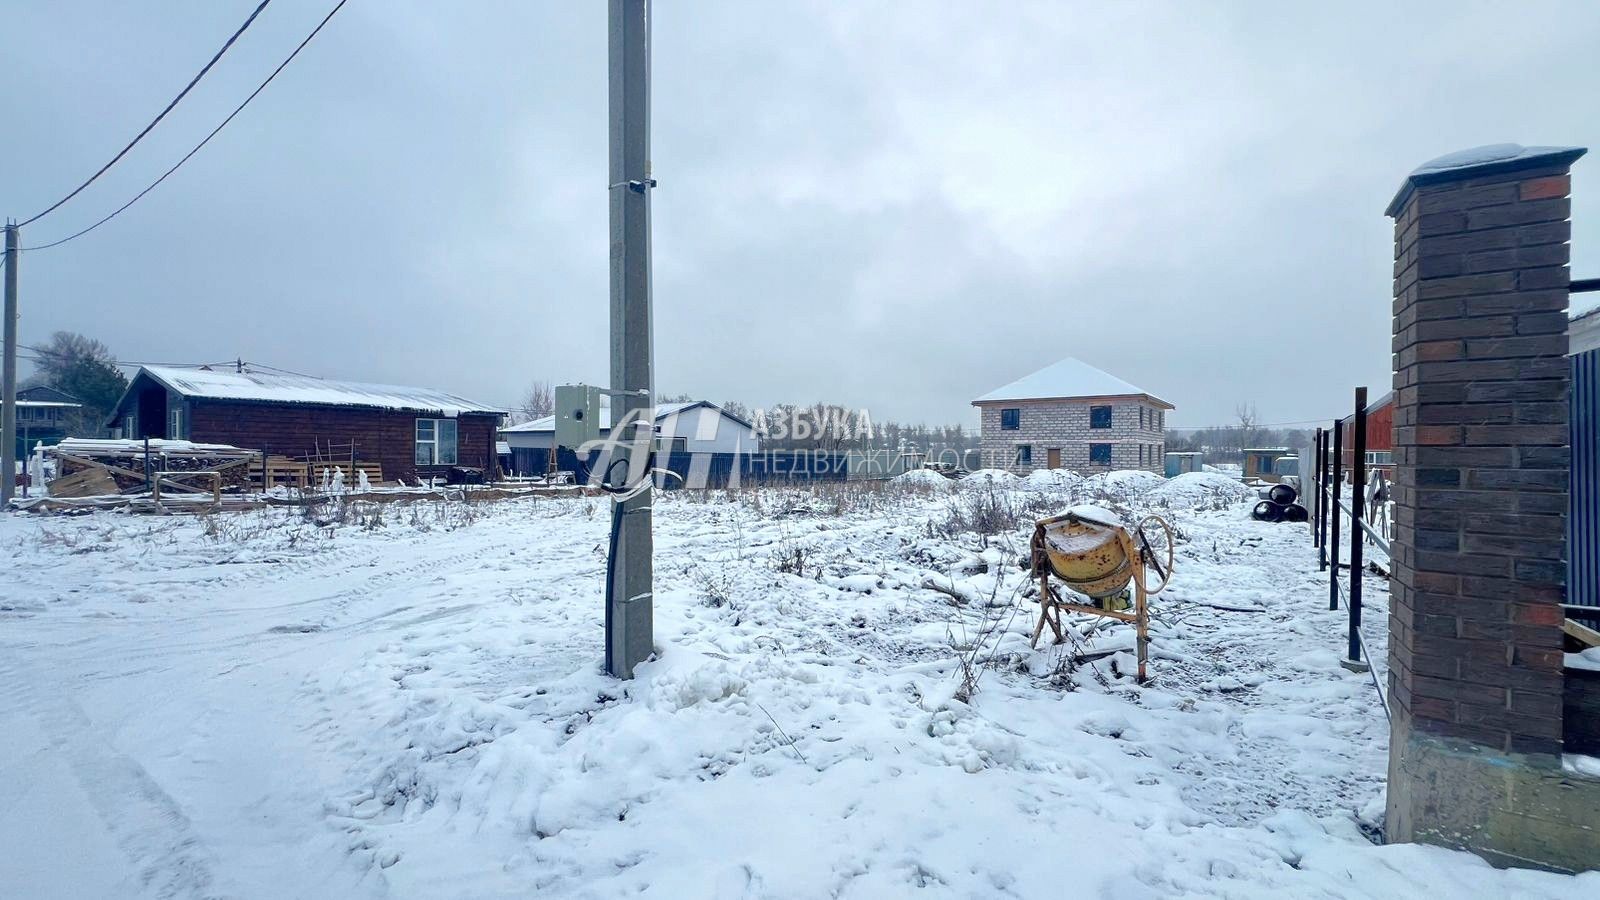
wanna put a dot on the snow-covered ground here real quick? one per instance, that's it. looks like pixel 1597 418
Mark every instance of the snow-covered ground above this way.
pixel 268 704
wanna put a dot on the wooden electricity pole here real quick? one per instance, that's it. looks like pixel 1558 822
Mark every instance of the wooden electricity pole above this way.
pixel 629 638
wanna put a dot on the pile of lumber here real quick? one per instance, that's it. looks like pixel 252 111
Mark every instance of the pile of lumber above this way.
pixel 92 468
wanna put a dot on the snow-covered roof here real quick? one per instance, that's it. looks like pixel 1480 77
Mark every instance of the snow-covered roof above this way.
pixel 1583 331
pixel 1488 159
pixel 106 446
pixel 548 423
pixel 274 387
pixel 1068 378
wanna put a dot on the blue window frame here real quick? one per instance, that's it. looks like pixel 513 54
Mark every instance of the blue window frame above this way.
pixel 1010 419
pixel 1100 454
pixel 1099 417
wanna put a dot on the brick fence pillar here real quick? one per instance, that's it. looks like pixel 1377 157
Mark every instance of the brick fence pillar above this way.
pixel 1481 469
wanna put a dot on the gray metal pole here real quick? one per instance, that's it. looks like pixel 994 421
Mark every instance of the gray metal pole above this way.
pixel 8 375
pixel 1358 493
pixel 629 634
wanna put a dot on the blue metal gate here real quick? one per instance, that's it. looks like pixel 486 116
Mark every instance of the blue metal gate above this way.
pixel 1583 518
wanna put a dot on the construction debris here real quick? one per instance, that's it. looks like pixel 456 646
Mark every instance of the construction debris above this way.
pixel 94 468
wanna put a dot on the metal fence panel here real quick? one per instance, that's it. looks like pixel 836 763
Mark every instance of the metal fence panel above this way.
pixel 1583 518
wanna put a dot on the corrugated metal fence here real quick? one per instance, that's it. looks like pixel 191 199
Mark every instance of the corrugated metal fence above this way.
pixel 1583 519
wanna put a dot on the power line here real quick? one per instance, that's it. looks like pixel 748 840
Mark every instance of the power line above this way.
pixel 279 371
pixel 134 363
pixel 43 354
pixel 214 131
pixel 157 120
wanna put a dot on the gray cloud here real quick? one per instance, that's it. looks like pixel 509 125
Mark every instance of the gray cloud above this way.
pixel 897 206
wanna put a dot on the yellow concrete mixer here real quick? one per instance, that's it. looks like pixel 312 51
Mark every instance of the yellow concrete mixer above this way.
pixel 1089 551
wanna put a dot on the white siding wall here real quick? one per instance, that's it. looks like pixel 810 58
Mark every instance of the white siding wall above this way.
pixel 521 439
pixel 709 431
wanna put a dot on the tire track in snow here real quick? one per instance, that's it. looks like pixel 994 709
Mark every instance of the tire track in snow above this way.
pixel 149 826
pixel 254 623
pixel 1298 718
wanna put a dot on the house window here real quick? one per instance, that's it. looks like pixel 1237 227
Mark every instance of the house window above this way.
pixel 436 442
pixel 175 424
pixel 1380 457
pixel 1099 417
pixel 1024 454
pixel 1142 422
pixel 1100 454
pixel 1010 419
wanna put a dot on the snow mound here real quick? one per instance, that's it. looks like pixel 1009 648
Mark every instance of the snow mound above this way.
pixel 1198 490
pixel 1052 479
pixel 1123 484
pixel 997 477
pixel 922 478
pixel 1588 659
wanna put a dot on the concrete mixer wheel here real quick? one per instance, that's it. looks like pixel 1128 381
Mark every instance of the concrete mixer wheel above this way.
pixel 1155 542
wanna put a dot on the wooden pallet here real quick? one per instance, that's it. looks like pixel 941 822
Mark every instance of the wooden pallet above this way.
pixel 281 470
pixel 374 470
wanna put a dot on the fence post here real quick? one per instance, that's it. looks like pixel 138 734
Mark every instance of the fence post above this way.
pixel 1358 483
pixel 1319 528
pixel 1337 449
pixel 147 462
pixel 1306 492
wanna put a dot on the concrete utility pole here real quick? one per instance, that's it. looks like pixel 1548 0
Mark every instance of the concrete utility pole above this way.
pixel 629 637
pixel 8 378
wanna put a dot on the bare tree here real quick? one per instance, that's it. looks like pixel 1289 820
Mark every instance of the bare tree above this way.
pixel 538 402
pixel 1248 418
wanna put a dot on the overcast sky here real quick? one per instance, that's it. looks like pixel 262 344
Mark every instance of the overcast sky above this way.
pixel 894 205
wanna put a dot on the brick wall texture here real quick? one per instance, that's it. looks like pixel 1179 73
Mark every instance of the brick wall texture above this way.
pixel 1481 456
pixel 1136 437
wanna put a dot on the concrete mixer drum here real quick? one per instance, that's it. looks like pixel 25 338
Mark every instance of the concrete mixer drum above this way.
pixel 1088 551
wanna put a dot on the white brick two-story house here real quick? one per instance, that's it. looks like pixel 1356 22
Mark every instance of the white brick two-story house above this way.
pixel 1071 415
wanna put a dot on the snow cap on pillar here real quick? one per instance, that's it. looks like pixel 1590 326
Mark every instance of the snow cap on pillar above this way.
pixel 1490 159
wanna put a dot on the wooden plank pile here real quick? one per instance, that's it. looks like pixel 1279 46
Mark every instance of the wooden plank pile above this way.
pixel 92 468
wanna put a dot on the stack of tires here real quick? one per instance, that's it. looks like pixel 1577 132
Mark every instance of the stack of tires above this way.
pixel 1278 505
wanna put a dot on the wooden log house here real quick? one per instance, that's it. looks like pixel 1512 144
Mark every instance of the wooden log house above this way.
pixel 411 433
